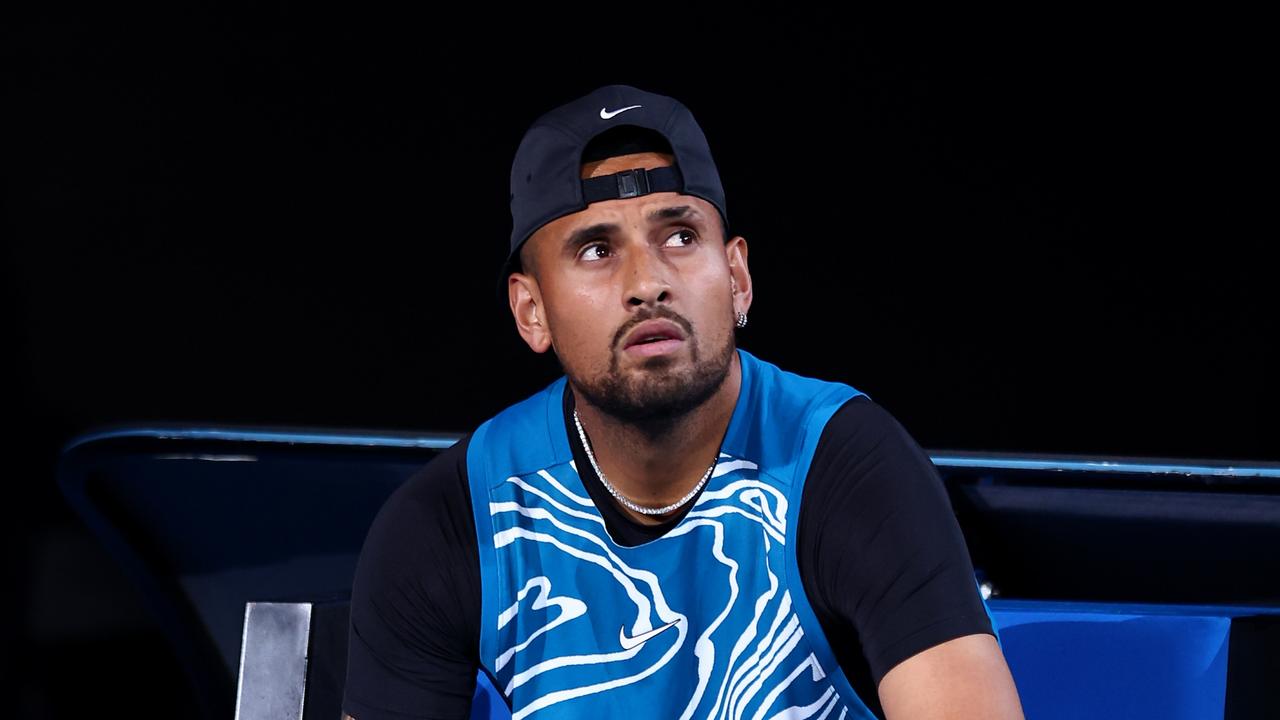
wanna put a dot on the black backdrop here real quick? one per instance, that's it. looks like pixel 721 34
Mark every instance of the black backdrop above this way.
pixel 1034 234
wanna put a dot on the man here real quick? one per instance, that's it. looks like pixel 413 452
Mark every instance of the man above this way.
pixel 674 528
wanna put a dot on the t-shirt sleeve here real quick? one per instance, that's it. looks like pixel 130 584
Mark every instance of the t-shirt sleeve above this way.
pixel 413 647
pixel 889 556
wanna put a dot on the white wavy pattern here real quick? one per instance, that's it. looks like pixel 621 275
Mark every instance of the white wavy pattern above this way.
pixel 768 673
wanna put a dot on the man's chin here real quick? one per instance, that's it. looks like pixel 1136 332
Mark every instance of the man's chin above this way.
pixel 656 389
pixel 662 396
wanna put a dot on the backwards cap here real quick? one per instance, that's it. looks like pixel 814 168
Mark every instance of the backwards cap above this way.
pixel 546 175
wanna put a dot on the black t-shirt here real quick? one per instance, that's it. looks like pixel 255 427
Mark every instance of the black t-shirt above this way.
pixel 881 558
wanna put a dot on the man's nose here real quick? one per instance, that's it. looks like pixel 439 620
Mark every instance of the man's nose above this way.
pixel 646 279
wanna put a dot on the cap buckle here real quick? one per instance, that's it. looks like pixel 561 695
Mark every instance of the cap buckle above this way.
pixel 632 183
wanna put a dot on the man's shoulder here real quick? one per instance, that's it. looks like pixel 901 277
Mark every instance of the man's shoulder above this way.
pixel 524 437
pixel 794 399
pixel 782 386
pixel 436 488
pixel 429 513
pixel 860 420
pixel 447 463
pixel 864 443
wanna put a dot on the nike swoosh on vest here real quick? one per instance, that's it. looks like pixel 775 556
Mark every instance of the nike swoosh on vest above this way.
pixel 630 642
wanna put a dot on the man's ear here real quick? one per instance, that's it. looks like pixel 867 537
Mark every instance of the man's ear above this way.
pixel 526 307
pixel 739 275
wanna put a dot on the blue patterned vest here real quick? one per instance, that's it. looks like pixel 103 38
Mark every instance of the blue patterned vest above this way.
pixel 707 621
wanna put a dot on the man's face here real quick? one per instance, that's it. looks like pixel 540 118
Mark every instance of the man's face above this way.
pixel 600 273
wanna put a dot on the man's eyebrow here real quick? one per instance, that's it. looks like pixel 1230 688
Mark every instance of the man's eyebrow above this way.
pixel 580 236
pixel 674 213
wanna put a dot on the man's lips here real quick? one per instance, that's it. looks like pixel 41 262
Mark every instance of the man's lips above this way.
pixel 654 337
pixel 651 330
pixel 657 347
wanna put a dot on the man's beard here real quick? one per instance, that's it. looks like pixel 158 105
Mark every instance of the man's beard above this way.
pixel 656 396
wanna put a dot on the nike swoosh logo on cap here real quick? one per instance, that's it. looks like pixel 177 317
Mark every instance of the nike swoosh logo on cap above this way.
pixel 606 114
pixel 630 642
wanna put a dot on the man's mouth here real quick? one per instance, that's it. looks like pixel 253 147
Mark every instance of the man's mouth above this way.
pixel 652 331
pixel 654 346
pixel 654 337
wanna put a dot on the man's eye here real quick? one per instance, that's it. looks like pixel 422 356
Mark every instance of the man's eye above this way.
pixel 599 250
pixel 589 252
pixel 682 231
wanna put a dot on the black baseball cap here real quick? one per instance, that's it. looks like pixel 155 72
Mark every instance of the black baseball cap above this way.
pixel 546 175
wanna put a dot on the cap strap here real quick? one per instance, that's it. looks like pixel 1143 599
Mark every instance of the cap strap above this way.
pixel 631 183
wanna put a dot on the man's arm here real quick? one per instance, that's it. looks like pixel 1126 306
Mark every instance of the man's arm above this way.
pixel 960 679
pixel 889 561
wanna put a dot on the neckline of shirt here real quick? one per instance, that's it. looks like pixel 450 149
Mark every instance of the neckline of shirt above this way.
pixel 624 530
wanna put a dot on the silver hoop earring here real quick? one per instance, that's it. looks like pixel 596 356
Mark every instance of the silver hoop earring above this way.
pixel 742 319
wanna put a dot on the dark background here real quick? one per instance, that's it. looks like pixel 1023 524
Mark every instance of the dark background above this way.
pixel 1017 234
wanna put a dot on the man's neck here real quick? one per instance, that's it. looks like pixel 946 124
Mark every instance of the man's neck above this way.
pixel 655 470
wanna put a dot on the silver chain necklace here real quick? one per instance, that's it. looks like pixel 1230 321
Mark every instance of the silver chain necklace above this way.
pixel 625 500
